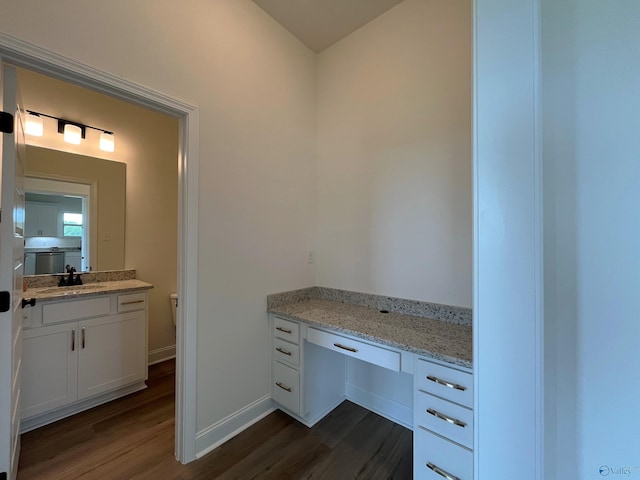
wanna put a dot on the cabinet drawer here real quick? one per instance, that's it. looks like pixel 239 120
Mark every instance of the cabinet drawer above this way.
pixel 355 348
pixel 445 382
pixel 286 352
pixel 286 387
pixel 435 457
pixel 286 330
pixel 132 301
pixel 74 310
pixel 444 418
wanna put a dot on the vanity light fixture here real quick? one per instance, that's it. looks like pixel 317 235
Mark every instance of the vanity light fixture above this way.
pixel 34 125
pixel 73 132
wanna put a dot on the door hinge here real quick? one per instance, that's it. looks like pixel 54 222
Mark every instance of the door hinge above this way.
pixel 5 301
pixel 6 122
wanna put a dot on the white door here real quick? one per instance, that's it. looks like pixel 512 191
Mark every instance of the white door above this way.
pixel 11 265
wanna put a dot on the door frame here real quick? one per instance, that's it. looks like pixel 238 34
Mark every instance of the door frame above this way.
pixel 508 265
pixel 32 57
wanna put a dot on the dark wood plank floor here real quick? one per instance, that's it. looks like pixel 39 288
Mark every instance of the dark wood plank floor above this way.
pixel 132 438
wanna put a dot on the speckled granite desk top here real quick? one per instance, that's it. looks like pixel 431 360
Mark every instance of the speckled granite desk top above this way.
pixel 48 293
pixel 441 340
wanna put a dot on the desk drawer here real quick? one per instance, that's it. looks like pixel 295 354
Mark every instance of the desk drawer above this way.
pixel 355 348
pixel 132 301
pixel 444 418
pixel 435 457
pixel 286 352
pixel 445 382
pixel 286 387
pixel 76 309
pixel 286 330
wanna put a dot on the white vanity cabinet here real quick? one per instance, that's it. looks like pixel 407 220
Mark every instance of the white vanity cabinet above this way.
pixel 80 353
pixel 443 422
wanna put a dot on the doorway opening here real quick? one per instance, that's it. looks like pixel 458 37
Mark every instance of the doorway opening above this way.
pixel 24 55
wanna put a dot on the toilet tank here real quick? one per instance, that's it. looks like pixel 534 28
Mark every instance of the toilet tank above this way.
pixel 174 305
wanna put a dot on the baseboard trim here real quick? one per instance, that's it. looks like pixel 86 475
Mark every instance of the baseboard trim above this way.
pixel 390 409
pixel 319 416
pixel 215 435
pixel 161 354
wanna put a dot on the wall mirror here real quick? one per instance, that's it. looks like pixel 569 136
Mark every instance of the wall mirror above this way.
pixel 74 212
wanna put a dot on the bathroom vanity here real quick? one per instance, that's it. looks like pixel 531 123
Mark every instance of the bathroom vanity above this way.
pixel 407 367
pixel 82 345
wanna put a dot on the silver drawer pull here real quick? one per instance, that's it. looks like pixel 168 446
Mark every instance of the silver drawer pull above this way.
pixel 350 349
pixel 285 388
pixel 445 383
pixel 132 302
pixel 285 330
pixel 441 472
pixel 442 416
pixel 283 351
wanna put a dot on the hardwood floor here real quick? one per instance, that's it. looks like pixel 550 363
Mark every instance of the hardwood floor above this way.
pixel 132 438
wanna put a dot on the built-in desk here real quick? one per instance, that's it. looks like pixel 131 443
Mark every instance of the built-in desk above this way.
pixel 413 370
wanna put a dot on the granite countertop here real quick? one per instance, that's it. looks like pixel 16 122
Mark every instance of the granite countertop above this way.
pixel 47 293
pixel 438 339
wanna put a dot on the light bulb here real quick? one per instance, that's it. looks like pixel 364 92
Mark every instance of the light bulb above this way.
pixel 72 134
pixel 34 125
pixel 107 142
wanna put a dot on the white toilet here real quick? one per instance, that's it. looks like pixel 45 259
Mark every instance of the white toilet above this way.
pixel 174 305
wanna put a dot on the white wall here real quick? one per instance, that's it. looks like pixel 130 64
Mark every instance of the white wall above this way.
pixel 591 96
pixel 394 155
pixel 255 87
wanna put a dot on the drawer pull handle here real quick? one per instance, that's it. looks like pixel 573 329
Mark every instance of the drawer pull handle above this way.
pixel 73 339
pixel 350 349
pixel 442 416
pixel 445 383
pixel 132 302
pixel 285 330
pixel 83 337
pixel 281 350
pixel 441 472
pixel 284 387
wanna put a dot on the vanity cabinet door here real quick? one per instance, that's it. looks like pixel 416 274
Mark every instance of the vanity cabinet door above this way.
pixel 112 353
pixel 49 368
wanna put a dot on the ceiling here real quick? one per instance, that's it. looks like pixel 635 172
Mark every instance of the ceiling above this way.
pixel 321 23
